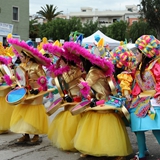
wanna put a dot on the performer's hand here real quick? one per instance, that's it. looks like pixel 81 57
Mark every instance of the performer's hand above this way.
pixel 80 86
pixel 128 97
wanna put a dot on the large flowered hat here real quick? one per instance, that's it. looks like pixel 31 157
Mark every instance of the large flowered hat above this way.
pixel 49 52
pixel 122 57
pixel 149 45
pixel 72 48
pixel 54 48
pixel 58 51
pixel 30 51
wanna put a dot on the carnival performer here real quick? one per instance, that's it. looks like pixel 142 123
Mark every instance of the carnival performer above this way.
pixel 144 109
pixel 63 127
pixel 124 62
pixel 49 97
pixel 29 116
pixel 101 131
pixel 6 109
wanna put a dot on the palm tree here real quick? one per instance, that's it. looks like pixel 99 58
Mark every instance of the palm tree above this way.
pixel 49 12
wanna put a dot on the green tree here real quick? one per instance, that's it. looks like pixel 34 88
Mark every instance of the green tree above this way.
pixel 34 28
pixel 60 28
pixel 140 28
pixel 151 12
pixel 103 29
pixel 55 29
pixel 89 28
pixel 117 30
pixel 49 12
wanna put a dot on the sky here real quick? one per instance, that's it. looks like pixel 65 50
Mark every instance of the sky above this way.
pixel 68 6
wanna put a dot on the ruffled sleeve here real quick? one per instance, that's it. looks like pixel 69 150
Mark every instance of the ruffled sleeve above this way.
pixel 93 76
pixel 125 82
pixel 156 73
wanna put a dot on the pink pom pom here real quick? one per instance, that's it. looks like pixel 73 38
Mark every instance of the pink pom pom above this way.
pixel 42 84
pixel 86 89
pixel 7 79
pixel 148 40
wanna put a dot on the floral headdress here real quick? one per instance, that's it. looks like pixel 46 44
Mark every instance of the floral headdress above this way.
pixel 32 52
pixel 60 51
pixel 122 57
pixel 149 45
pixel 75 49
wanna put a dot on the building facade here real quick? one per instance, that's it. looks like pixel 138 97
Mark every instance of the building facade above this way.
pixel 107 17
pixel 14 18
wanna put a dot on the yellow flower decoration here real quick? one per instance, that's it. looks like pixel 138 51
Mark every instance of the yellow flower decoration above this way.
pixel 9 36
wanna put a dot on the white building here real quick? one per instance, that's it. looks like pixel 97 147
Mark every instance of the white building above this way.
pixel 107 17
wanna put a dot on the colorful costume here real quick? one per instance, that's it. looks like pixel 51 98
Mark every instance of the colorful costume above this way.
pixel 63 127
pixel 145 117
pixel 24 118
pixel 144 110
pixel 5 108
pixel 97 80
pixel 30 116
pixel 101 132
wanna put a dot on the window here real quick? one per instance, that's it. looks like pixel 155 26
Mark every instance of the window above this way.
pixel 114 20
pixel 15 13
pixel 130 9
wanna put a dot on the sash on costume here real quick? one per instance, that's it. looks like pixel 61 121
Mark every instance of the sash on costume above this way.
pixel 143 107
pixel 142 102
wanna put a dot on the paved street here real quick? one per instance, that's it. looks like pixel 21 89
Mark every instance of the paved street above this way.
pixel 45 151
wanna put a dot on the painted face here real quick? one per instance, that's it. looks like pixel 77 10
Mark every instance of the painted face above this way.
pixel 138 56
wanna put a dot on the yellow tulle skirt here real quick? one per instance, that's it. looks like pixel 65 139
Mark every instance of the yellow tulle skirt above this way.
pixel 102 134
pixel 31 119
pixel 63 129
pixel 6 111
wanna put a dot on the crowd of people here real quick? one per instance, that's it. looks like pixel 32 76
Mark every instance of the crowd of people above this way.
pixel 101 94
